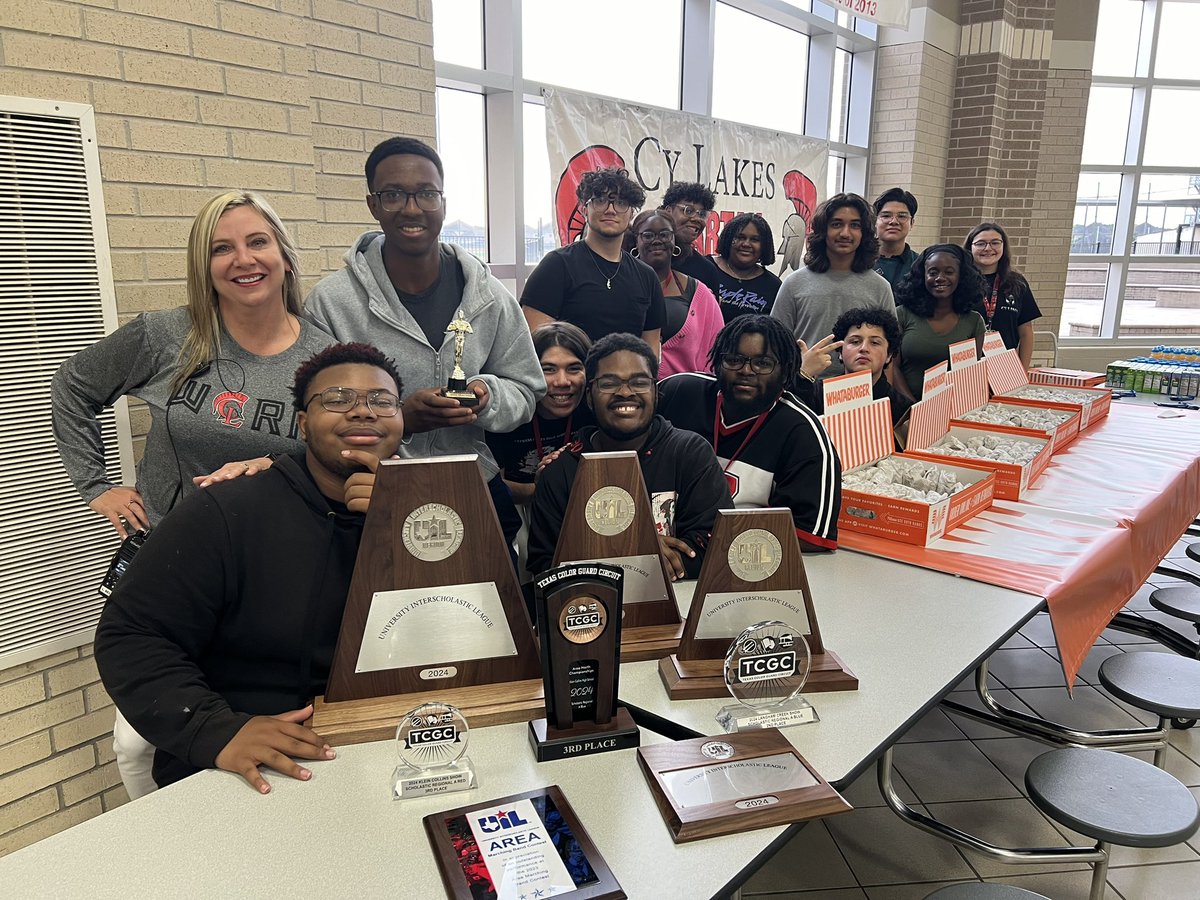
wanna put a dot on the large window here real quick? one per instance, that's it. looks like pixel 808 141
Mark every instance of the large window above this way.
pixel 799 67
pixel 1135 251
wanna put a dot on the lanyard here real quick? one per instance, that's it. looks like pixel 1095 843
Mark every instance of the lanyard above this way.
pixel 537 435
pixel 762 417
pixel 990 303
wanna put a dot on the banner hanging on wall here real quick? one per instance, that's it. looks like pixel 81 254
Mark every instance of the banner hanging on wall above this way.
pixel 893 13
pixel 781 176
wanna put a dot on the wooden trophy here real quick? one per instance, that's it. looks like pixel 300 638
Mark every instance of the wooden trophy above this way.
pixel 706 786
pixel 608 519
pixel 434 612
pixel 579 623
pixel 753 572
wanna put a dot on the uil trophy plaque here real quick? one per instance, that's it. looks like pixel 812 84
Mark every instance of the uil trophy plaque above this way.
pixel 706 786
pixel 456 388
pixel 753 572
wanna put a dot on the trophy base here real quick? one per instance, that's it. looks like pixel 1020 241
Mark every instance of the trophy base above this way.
pixel 704 679
pixel 456 389
pixel 374 718
pixel 736 717
pixel 584 739
pixel 457 776
pixel 642 642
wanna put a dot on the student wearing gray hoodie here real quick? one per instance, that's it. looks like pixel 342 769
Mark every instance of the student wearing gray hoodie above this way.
pixel 400 290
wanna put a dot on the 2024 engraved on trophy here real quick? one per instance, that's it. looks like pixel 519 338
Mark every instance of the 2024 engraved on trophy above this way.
pixel 765 670
pixel 431 742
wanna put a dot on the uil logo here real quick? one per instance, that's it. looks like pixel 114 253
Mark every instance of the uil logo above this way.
pixel 227 406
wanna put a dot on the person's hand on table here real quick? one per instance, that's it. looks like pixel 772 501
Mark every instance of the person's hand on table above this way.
pixel 233 470
pixel 673 550
pixel 125 503
pixel 427 409
pixel 271 741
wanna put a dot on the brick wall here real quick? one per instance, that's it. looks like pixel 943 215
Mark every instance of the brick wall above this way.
pixel 994 133
pixel 193 97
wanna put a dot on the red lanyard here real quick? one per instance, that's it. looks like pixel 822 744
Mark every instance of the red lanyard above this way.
pixel 537 435
pixel 762 417
pixel 990 304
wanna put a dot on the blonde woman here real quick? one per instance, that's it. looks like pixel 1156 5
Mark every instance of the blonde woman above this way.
pixel 215 374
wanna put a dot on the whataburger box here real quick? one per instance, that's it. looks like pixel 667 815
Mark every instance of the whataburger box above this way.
pixel 969 390
pixel 861 430
pixel 1066 377
pixel 1007 378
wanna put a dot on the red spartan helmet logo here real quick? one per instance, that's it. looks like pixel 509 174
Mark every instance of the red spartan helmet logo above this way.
pixel 227 406
pixel 732 480
pixel 566 205
pixel 802 192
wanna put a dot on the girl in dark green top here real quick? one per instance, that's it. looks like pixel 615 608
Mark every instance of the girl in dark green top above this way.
pixel 935 305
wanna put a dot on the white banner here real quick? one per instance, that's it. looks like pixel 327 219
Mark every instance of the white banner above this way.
pixel 781 176
pixel 893 13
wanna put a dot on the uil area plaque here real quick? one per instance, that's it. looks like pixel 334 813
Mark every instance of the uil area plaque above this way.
pixel 434 612
pixel 579 623
pixel 705 787
pixel 520 847
pixel 753 571
pixel 608 520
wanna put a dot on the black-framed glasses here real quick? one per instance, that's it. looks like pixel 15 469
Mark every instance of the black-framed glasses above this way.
pixel 688 210
pixel 344 399
pixel 647 236
pixel 393 201
pixel 761 365
pixel 985 245
pixel 610 384
pixel 599 204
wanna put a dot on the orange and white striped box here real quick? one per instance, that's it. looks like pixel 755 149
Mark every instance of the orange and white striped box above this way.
pixel 1012 481
pixel 968 387
pixel 1007 378
pixel 1066 377
pixel 862 434
pixel 1062 435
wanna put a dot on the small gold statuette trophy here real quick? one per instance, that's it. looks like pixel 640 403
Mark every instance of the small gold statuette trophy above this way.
pixel 456 388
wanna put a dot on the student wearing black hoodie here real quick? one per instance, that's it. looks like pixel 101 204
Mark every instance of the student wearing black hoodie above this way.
pixel 685 483
pixel 219 635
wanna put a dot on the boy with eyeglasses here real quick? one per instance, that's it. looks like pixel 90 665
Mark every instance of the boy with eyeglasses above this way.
pixel 772 448
pixel 681 473
pixel 402 287
pixel 688 204
pixel 217 638
pixel 594 283
pixel 895 212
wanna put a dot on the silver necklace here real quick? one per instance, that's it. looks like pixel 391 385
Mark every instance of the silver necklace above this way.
pixel 592 254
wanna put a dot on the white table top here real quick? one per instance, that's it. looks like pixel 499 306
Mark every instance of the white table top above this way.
pixel 909 634
pixel 341 834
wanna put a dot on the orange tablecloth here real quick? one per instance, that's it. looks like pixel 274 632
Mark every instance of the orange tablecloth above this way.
pixel 1088 535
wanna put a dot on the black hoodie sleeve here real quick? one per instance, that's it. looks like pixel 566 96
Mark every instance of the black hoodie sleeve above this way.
pixel 159 621
pixel 546 513
pixel 702 491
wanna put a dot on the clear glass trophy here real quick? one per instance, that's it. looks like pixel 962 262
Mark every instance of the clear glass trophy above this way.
pixel 765 668
pixel 431 742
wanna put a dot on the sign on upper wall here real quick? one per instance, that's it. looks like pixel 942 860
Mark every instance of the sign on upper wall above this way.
pixel 893 13
pixel 781 176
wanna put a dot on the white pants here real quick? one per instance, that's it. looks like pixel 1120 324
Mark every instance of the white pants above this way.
pixel 135 759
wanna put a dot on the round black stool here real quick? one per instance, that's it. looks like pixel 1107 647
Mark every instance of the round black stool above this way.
pixel 984 890
pixel 1112 798
pixel 1165 684
pixel 1193 551
pixel 1182 602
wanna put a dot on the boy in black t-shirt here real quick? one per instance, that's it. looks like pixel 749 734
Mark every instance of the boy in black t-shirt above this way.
pixel 593 283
